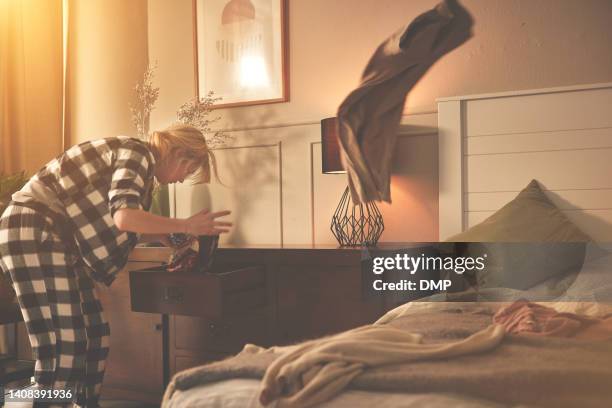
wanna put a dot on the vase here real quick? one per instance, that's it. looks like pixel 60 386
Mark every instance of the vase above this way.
pixel 160 204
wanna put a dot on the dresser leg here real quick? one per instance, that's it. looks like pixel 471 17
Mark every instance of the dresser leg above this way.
pixel 166 349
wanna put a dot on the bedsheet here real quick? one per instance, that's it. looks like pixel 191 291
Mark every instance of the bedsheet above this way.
pixel 242 393
pixel 528 370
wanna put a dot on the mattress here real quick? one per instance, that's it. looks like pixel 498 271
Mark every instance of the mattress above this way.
pixel 242 393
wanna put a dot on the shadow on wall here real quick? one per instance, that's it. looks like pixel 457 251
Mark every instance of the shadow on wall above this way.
pixel 245 169
pixel 591 224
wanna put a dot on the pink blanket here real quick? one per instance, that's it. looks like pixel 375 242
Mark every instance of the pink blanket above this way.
pixel 522 317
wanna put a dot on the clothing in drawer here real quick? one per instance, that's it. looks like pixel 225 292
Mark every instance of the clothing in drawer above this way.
pixel 232 290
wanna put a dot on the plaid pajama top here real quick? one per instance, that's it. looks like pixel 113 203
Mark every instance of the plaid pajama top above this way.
pixel 91 181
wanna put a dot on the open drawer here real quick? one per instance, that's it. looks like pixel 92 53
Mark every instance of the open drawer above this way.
pixel 232 290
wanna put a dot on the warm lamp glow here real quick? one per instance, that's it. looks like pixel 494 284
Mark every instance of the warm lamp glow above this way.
pixel 253 72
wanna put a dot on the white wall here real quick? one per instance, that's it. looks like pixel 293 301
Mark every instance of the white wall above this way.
pixel 107 54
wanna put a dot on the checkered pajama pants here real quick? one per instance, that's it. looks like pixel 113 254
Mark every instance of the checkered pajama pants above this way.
pixel 63 317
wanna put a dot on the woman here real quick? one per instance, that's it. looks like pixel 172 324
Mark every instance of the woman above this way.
pixel 74 224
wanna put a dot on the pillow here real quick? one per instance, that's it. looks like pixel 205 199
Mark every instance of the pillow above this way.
pixel 527 241
pixel 591 291
pixel 530 217
pixel 594 282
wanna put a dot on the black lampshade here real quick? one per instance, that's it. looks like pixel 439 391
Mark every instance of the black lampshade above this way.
pixel 352 225
pixel 330 146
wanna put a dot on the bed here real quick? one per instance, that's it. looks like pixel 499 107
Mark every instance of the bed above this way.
pixel 490 147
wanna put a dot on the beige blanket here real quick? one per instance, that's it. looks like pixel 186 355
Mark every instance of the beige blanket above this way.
pixel 369 116
pixel 318 370
pixel 530 370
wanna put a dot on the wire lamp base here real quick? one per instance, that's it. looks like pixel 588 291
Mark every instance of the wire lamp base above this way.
pixel 356 225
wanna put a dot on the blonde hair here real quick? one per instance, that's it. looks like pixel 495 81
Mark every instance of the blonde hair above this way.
pixel 187 142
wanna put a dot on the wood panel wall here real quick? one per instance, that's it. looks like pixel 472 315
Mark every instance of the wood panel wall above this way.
pixel 562 137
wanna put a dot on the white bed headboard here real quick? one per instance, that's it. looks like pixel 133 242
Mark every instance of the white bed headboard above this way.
pixel 491 146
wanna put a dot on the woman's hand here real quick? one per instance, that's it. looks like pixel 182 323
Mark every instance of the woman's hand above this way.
pixel 204 223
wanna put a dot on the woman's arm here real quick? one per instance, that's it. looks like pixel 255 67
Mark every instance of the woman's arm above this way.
pixel 143 222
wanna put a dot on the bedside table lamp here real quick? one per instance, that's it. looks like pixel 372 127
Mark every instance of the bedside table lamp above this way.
pixel 352 225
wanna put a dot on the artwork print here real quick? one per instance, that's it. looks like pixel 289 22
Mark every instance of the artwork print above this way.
pixel 240 51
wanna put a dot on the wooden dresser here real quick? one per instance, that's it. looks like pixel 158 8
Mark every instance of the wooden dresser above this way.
pixel 262 295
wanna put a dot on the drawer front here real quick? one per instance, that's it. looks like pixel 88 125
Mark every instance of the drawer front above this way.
pixel 216 335
pixel 199 294
pixel 133 365
pixel 150 254
pixel 314 302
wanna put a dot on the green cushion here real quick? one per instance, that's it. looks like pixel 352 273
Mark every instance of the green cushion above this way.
pixel 527 241
pixel 530 217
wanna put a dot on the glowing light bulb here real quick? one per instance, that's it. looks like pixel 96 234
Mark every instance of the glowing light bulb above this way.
pixel 253 72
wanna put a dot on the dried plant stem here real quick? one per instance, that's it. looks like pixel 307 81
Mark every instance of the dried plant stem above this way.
pixel 146 96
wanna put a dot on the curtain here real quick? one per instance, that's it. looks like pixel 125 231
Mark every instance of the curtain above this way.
pixel 31 83
pixel 31 93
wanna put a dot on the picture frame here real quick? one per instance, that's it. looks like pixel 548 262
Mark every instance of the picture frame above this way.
pixel 241 51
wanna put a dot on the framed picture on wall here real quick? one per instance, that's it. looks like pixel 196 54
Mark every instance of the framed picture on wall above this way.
pixel 241 51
